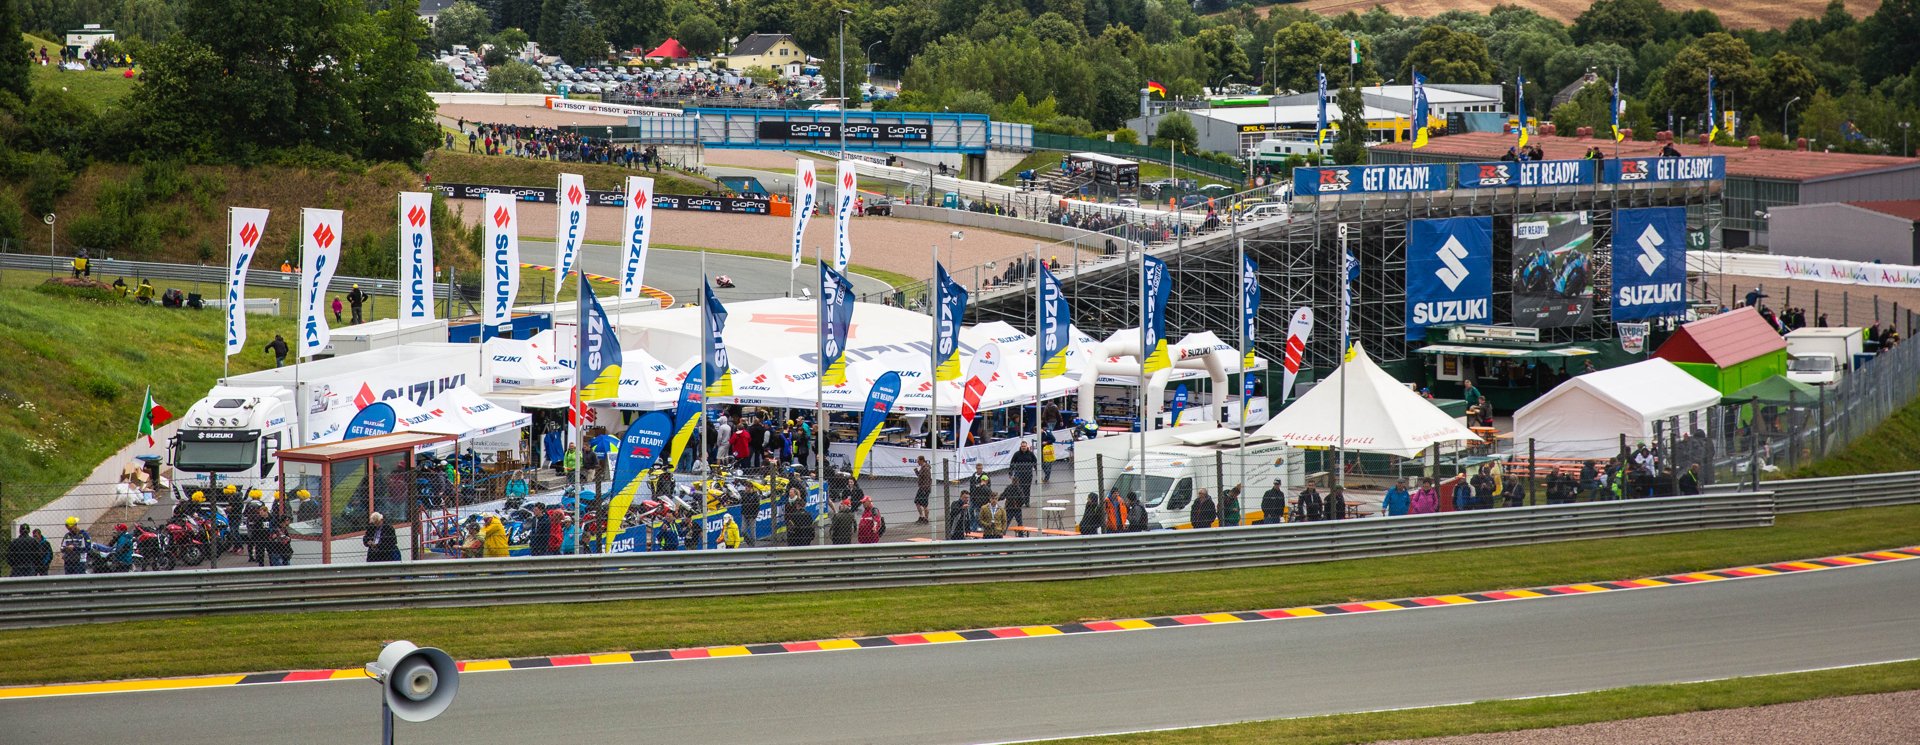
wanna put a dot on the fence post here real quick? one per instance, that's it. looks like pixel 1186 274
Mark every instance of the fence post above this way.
pixel 1100 472
pixel 1533 464
pixel 946 497
pixel 1753 454
pixel 1793 448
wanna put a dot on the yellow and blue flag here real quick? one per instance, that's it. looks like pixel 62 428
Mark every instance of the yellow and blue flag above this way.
pixel 836 317
pixel 886 389
pixel 951 303
pixel 1713 116
pixel 719 370
pixel 599 362
pixel 1520 103
pixel 688 414
pixel 1055 320
pixel 1321 129
pixel 1153 272
pixel 1618 106
pixel 1419 110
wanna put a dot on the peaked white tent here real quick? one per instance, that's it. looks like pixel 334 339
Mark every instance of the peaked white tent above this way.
pixel 1382 415
pixel 1585 417
pixel 466 413
pixel 525 363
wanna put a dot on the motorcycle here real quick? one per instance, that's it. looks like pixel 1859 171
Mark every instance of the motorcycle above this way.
pixel 152 551
pixel 187 539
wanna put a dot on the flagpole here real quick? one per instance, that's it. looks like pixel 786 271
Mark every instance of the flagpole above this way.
pixel 580 412
pixel 820 378
pixel 1346 345
pixel 933 352
pixel 1246 325
pixel 706 447
pixel 1141 415
pixel 1039 338
pixel 226 359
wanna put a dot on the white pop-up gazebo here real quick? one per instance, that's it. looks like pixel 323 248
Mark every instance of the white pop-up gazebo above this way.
pixel 1585 417
pixel 1382 415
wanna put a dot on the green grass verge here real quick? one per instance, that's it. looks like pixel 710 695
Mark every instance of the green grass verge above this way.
pixel 342 639
pixel 460 167
pixel 98 88
pixel 1557 711
pixel 1894 445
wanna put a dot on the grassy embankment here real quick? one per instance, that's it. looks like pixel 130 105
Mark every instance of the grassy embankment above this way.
pixel 327 640
pixel 1892 446
pixel 99 88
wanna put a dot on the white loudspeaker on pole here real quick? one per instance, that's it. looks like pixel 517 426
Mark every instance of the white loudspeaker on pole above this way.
pixel 417 683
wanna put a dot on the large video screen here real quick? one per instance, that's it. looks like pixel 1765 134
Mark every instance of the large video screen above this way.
pixel 1552 269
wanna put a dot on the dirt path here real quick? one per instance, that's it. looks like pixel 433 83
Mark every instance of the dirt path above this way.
pixel 1880 719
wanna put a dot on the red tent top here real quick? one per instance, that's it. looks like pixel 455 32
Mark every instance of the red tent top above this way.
pixel 1723 340
pixel 669 49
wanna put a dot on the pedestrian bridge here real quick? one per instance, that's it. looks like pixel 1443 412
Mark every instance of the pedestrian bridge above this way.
pixel 864 131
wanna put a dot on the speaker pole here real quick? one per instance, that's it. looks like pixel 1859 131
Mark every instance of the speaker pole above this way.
pixel 386 722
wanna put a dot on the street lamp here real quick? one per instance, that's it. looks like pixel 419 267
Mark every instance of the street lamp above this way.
pixel 843 81
pixel 1904 126
pixel 869 55
pixel 1783 118
pixel 958 235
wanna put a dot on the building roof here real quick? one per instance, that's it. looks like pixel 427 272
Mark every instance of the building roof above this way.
pixel 1907 209
pixel 1309 114
pixel 1723 340
pixel 1758 163
pixel 1566 94
pixel 670 49
pixel 1436 94
pixel 758 44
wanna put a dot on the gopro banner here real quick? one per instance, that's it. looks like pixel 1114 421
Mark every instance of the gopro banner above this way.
pixel 319 259
pixel 376 419
pixel 1527 173
pixel 1368 179
pixel 416 256
pixel 1647 170
pixel 1649 263
pixel 500 260
pixel 639 227
pixel 1449 273
pixel 886 389
pixel 245 227
pixel 570 227
pixel 645 440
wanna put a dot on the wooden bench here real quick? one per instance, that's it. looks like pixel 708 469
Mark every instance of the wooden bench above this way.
pixel 919 539
pixel 1052 532
pixel 1022 530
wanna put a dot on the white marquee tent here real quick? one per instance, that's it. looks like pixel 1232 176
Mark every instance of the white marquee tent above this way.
pixel 1585 417
pixel 1382 415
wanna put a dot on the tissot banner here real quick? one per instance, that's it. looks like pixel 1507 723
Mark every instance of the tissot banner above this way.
pixel 1449 273
pixel 416 256
pixel 243 241
pixel 1649 263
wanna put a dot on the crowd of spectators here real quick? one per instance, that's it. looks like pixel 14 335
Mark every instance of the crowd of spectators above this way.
pixel 547 143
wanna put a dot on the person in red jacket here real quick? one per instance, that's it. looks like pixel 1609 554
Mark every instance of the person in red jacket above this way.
pixel 556 528
pixel 872 525
pixel 741 445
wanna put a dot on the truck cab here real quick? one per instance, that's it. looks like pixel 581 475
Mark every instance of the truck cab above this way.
pixel 231 436
pixel 1814 369
pixel 1169 476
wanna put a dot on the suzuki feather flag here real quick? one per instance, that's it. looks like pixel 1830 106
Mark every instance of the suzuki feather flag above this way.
pixel 639 224
pixel 501 259
pixel 599 363
pixel 1299 332
pixel 1153 272
pixel 416 256
pixel 1321 130
pixel 1179 404
pixel 1249 306
pixel 805 191
pixel 847 187
pixel 1055 320
pixel 1618 106
pixel 1419 110
pixel 689 411
pixel 571 227
pixel 642 445
pixel 245 225
pixel 980 372
pixel 886 388
pixel 716 357
pixel 1713 115
pixel 1649 263
pixel 320 235
pixel 1449 273
pixel 1346 297
pixel 1520 104
pixel 836 317
pixel 952 307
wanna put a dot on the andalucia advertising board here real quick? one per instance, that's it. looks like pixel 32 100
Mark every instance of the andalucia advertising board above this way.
pixel 1449 273
pixel 1649 263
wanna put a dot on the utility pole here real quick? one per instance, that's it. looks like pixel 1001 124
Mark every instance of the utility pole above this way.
pixel 843 82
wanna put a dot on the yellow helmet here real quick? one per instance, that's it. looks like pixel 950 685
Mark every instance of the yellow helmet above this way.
pixel 199 497
pixel 302 494
pixel 253 493
pixel 230 489
pixel 72 521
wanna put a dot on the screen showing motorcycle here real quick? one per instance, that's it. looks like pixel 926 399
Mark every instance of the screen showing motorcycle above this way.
pixel 1552 269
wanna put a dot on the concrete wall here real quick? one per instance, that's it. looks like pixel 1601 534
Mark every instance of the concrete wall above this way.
pixel 1842 231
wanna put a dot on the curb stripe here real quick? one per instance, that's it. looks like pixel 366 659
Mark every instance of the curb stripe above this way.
pixel 973 635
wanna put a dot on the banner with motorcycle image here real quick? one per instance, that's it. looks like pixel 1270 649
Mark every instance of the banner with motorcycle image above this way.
pixel 1552 269
pixel 246 226
pixel 640 447
pixel 886 389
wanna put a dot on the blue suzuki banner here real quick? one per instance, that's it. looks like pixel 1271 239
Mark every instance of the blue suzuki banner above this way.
pixel 1527 173
pixel 376 419
pixel 1368 179
pixel 688 412
pixel 1649 263
pixel 644 442
pixel 1651 169
pixel 1055 320
pixel 952 307
pixel 1153 277
pixel 836 316
pixel 1179 403
pixel 886 389
pixel 1449 273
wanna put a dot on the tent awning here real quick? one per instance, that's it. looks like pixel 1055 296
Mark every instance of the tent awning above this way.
pixel 1509 353
pixel 1776 389
pixel 1381 415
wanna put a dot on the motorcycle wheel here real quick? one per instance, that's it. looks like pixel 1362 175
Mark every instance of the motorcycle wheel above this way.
pixel 193 555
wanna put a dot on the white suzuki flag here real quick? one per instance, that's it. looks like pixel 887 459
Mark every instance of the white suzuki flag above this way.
pixel 416 256
pixel 320 235
pixel 502 260
pixel 805 190
pixel 846 188
pixel 572 227
pixel 639 233
pixel 245 225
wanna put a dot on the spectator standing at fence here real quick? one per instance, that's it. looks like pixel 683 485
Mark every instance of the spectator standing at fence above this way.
pixel 280 543
pixel 729 533
pixel 978 492
pixel 22 553
pixel 73 548
pixel 1090 519
pixel 382 544
pixel 1048 454
pixel 1136 514
pixel 1021 468
pixel 493 538
pixel 843 525
pixel 872 525
pixel 1273 504
pixel 358 300
pixel 799 523
pixel 1230 508
pixel 922 488
pixel 1397 501
pixel 1203 513
pixel 1424 500
pixel 1113 513
pixel 993 518
pixel 1334 505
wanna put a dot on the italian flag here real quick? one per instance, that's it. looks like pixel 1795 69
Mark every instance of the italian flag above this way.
pixel 152 415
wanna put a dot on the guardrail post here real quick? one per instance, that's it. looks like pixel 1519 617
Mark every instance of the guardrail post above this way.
pixel 1533 465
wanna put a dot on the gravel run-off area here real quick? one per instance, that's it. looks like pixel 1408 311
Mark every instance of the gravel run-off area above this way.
pixel 1878 719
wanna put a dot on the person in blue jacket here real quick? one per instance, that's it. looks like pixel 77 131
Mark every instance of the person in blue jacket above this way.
pixel 1397 499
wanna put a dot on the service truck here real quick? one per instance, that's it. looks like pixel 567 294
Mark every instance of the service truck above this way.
pixel 1177 462
pixel 231 435
pixel 1823 356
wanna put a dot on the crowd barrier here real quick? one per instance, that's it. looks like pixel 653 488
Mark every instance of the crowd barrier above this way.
pixel 61 600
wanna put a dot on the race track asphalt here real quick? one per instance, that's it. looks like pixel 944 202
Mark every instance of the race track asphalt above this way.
pixel 1056 686
pixel 678 272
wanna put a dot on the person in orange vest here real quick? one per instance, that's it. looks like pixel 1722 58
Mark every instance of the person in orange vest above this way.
pixel 285 267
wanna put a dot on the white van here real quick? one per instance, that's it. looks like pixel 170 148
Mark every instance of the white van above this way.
pixel 1178 462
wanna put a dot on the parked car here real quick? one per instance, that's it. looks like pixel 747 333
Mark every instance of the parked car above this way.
pixel 880 206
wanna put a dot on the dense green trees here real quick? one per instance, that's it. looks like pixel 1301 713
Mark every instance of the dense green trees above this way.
pixel 13 61
pixel 1448 56
pixel 461 23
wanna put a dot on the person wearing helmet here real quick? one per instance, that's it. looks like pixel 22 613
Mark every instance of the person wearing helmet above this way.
pixel 493 538
pixel 356 299
pixel 73 548
pixel 199 496
pixel 122 553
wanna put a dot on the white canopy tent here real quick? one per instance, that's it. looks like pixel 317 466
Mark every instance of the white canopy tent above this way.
pixel 1586 416
pixel 475 416
pixel 1381 415
pixel 525 363
pixel 646 384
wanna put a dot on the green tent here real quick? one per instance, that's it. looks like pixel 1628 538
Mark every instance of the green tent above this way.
pixel 1777 389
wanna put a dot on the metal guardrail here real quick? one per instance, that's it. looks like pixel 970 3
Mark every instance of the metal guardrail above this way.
pixel 1838 492
pixel 213 275
pixel 51 601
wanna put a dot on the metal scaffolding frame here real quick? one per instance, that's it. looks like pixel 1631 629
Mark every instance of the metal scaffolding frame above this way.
pixel 1300 264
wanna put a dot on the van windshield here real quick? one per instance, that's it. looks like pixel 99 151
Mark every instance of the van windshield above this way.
pixel 1152 493
pixel 1810 364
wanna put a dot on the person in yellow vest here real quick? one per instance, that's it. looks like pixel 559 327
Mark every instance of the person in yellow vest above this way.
pixel 144 294
pixel 493 538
